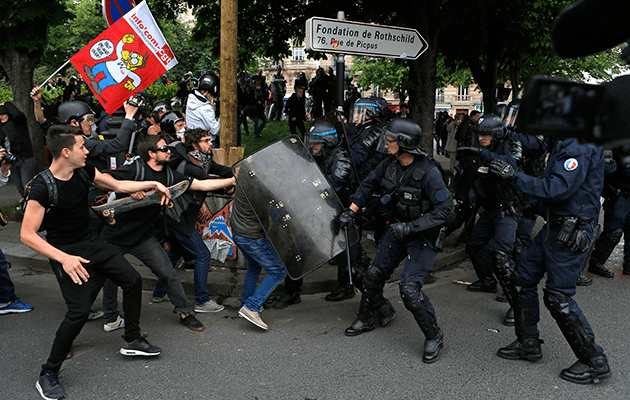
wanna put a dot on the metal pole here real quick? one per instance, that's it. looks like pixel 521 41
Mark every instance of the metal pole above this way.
pixel 229 25
pixel 341 69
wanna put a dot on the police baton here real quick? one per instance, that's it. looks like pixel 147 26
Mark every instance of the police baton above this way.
pixel 348 253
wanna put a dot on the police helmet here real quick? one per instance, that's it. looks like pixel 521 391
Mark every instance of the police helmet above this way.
pixel 161 106
pixel 489 124
pixel 72 110
pixel 167 123
pixel 363 108
pixel 510 113
pixel 325 134
pixel 498 109
pixel 209 82
pixel 407 133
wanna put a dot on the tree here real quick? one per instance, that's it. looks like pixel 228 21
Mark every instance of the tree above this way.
pixel 23 28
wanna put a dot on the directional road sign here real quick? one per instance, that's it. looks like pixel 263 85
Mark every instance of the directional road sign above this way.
pixel 337 36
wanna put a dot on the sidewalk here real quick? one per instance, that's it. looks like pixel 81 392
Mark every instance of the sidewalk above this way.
pixel 225 279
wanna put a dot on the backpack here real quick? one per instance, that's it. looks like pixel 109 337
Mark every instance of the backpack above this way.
pixel 51 185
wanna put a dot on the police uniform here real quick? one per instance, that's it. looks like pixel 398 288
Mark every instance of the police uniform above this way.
pixel 417 203
pixel 569 195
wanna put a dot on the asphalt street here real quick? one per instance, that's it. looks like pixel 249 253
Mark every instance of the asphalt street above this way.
pixel 305 354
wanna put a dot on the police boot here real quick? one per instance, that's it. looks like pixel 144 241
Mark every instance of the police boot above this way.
pixel 341 293
pixel 526 349
pixel 626 268
pixel 488 285
pixel 509 317
pixel 583 280
pixel 592 371
pixel 365 318
pixel 596 268
pixel 433 346
pixel 386 313
pixel 603 249
pixel 286 300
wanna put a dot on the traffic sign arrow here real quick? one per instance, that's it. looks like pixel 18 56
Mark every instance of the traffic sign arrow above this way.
pixel 358 38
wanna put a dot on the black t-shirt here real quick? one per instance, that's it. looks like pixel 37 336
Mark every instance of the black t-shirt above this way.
pixel 136 226
pixel 68 221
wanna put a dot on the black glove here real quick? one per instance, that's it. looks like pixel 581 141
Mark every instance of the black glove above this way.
pixel 346 218
pixel 503 170
pixel 475 151
pixel 399 230
pixel 579 241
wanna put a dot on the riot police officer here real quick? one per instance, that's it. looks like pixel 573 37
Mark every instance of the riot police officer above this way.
pixel 616 208
pixel 569 194
pixel 414 195
pixel 492 239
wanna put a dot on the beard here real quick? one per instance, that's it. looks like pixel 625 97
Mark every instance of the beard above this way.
pixel 162 162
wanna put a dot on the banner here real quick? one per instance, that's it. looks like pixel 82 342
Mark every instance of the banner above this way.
pixel 126 58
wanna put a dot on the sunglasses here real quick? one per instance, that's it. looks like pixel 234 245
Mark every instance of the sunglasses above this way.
pixel 163 149
pixel 390 140
pixel 205 140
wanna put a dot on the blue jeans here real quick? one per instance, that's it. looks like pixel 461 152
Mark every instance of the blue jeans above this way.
pixel 259 254
pixel 23 171
pixel 7 290
pixel 258 129
pixel 194 246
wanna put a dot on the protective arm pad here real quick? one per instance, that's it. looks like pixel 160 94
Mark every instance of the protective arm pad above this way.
pixel 341 170
pixel 370 140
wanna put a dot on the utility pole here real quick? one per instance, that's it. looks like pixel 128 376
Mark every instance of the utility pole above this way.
pixel 341 69
pixel 229 29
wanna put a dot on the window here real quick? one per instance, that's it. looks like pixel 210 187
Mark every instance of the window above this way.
pixel 439 95
pixel 462 91
pixel 297 53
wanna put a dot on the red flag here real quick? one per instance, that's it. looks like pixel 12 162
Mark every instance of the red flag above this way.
pixel 126 58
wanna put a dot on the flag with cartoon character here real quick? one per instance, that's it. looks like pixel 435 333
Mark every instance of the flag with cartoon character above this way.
pixel 126 58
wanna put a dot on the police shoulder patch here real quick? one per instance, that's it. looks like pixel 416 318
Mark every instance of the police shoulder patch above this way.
pixel 571 164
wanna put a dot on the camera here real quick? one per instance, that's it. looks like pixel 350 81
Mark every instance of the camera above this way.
pixel 9 158
pixel 143 97
pixel 592 113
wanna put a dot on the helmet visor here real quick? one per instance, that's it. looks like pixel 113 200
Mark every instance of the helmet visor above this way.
pixel 360 112
pixel 509 117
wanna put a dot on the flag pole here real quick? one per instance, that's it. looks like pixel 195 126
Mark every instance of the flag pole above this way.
pixel 54 73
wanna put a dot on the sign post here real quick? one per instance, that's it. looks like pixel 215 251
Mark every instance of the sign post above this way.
pixel 357 38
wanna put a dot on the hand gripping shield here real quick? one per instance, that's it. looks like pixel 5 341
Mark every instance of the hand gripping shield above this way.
pixel 295 205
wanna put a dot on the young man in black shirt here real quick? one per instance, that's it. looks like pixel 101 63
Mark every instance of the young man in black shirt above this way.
pixel 58 202
pixel 133 231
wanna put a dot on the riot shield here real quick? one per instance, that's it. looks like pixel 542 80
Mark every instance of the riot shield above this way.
pixel 295 205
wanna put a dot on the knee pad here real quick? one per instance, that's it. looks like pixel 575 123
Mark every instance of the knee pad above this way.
pixel 557 303
pixel 412 295
pixel 374 279
pixel 501 263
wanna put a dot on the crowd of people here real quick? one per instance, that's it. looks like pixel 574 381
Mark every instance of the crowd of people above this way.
pixel 372 158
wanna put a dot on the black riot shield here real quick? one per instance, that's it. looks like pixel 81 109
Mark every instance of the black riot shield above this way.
pixel 295 205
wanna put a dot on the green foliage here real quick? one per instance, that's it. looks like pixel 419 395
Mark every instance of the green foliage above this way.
pixel 50 94
pixel 6 94
pixel 386 73
pixel 163 92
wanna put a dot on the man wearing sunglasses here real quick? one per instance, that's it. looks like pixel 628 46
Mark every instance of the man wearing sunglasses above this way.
pixel 184 238
pixel 133 231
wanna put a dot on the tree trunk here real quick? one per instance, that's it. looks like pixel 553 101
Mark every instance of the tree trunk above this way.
pixel 19 67
pixel 423 16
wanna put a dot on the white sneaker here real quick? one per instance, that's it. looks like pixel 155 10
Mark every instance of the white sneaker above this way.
pixel 252 317
pixel 210 306
pixel 112 326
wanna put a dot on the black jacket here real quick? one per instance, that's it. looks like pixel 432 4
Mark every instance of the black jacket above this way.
pixel 16 130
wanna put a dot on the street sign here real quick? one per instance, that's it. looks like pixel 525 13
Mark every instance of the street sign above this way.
pixel 113 10
pixel 337 36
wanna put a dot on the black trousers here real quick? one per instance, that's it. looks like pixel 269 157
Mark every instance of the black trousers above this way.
pixel 105 262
